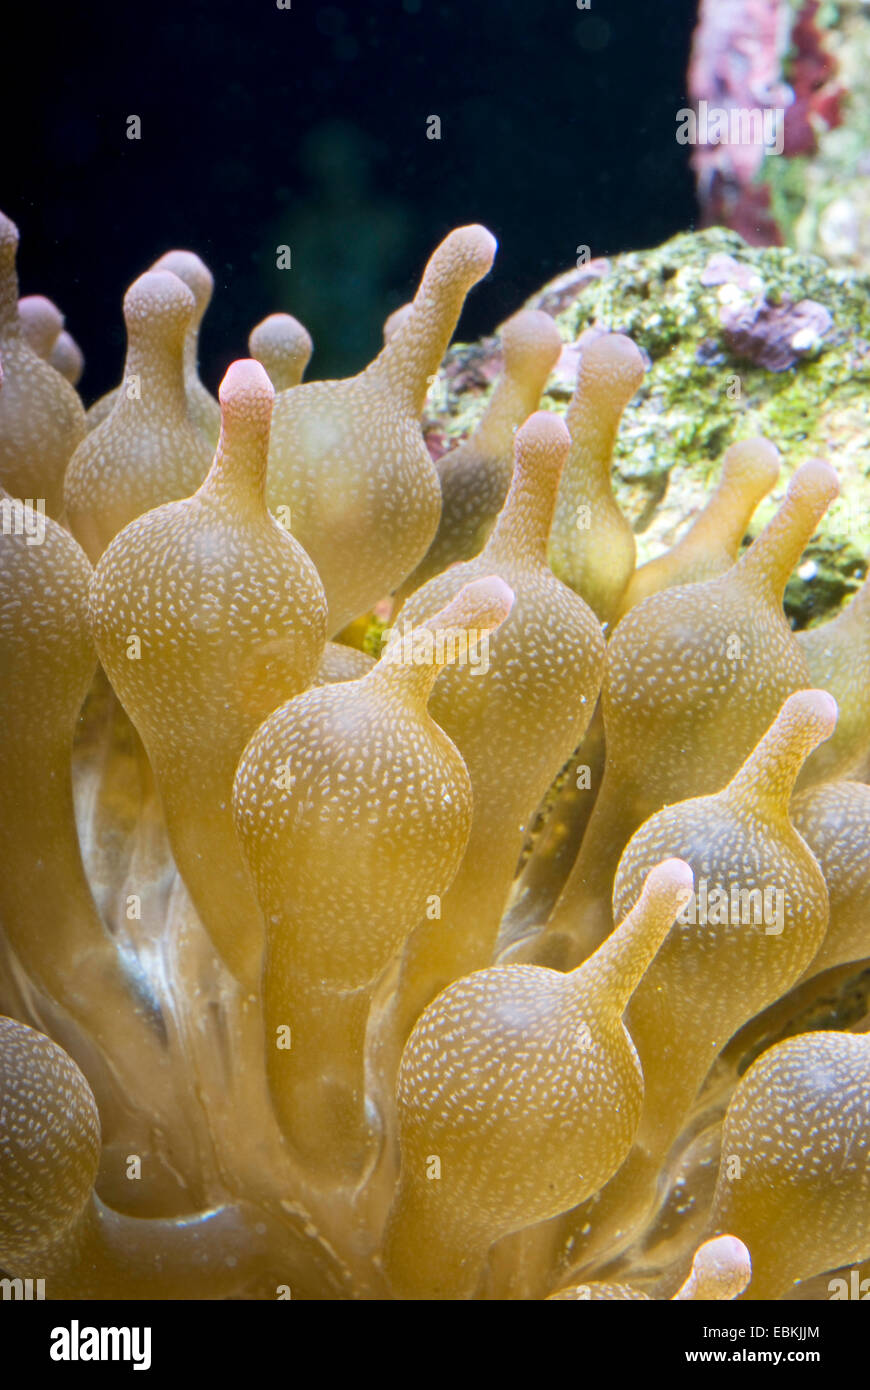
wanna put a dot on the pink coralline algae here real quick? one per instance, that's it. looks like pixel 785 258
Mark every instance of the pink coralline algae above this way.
pixel 754 55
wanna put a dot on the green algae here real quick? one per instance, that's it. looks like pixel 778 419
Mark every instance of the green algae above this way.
pixel 699 396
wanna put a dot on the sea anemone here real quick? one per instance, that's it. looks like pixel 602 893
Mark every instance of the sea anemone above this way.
pixel 300 997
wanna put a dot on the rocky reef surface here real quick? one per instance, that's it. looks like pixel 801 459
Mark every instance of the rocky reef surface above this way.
pixel 740 341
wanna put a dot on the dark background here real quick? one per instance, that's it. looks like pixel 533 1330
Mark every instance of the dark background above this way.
pixel 307 127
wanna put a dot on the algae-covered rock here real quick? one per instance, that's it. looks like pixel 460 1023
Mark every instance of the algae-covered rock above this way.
pixel 740 341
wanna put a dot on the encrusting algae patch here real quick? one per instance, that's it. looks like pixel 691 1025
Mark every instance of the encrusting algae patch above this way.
pixel 435 969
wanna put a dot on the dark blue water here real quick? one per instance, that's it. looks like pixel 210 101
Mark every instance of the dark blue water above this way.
pixel 308 127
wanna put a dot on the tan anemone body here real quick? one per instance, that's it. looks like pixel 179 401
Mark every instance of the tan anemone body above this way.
pixel 694 676
pixel 592 546
pixel 47 911
pixel 515 725
pixel 265 1031
pixel 476 475
pixel 475 1093
pixel 348 457
pixel 284 347
pixel 838 655
pixel 353 809
pixel 41 417
pixel 710 545
pixel 203 408
pixel 708 549
pixel 41 323
pixel 834 820
pixel 52 1219
pixel 67 358
pixel 794 1182
pixel 760 915
pixel 208 615
pixel 147 450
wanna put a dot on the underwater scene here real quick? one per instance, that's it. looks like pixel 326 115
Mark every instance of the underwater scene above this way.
pixel 435 662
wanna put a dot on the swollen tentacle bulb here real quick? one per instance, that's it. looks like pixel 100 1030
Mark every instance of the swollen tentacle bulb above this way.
pixel 147 450
pixel 709 547
pixel 721 1269
pixel 203 407
pixel 758 918
pixel 348 458
pixel 838 655
pixel 402 894
pixel 353 809
pixel 694 675
pixel 794 1182
pixel 476 475
pixel 515 725
pixel 52 1219
pixel 206 616
pixel 592 546
pixel 284 347
pixel 41 415
pixel 473 1099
